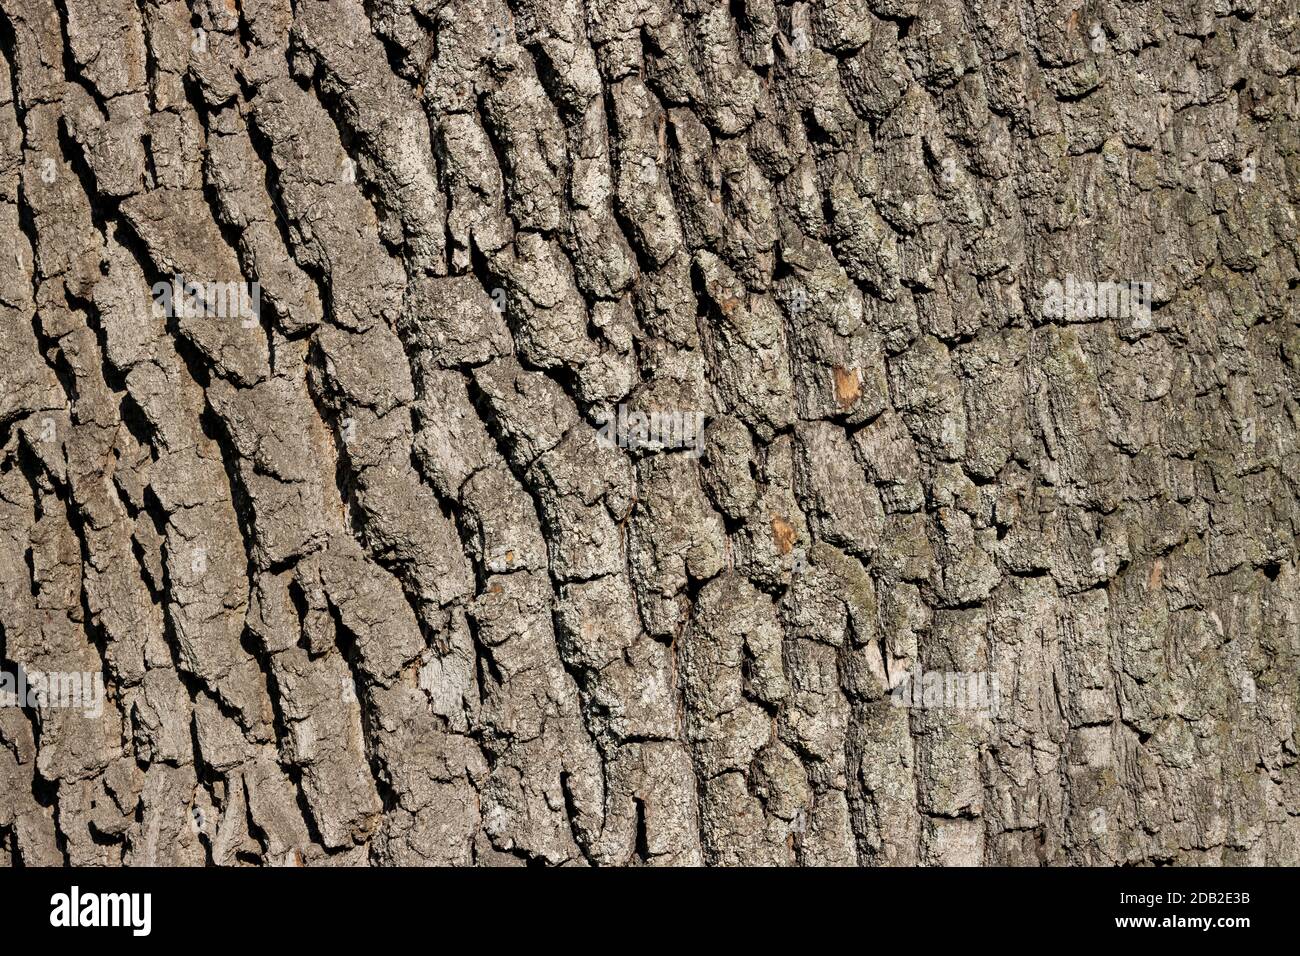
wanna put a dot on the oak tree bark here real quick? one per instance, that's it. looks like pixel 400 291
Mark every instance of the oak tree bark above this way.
pixel 376 576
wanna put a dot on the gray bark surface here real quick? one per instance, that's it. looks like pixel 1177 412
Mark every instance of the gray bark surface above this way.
pixel 363 581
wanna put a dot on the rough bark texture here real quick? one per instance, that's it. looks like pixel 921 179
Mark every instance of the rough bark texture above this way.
pixel 365 584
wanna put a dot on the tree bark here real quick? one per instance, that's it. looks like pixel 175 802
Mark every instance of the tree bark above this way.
pixel 664 432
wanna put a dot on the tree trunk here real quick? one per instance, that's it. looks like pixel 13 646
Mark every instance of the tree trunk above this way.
pixel 657 432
